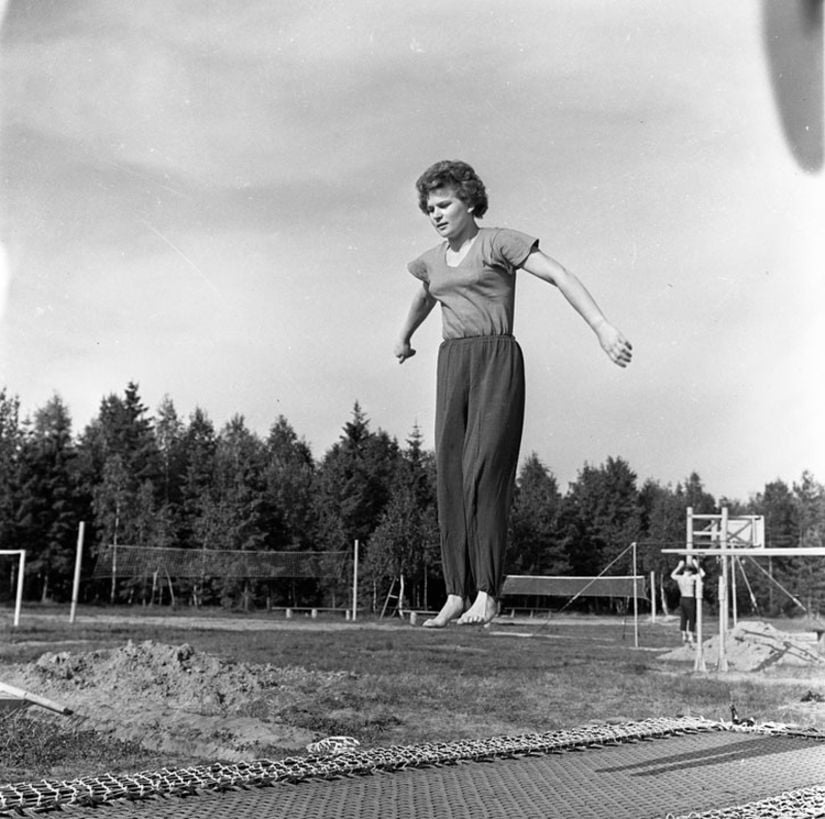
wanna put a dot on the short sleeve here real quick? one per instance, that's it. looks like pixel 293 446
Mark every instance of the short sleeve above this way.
pixel 418 267
pixel 512 247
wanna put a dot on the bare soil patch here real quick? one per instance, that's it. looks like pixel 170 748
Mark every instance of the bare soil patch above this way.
pixel 756 646
pixel 175 699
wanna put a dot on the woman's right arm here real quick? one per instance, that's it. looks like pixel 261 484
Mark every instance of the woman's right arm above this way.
pixel 421 307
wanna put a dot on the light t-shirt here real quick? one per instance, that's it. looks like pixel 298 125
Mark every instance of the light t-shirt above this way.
pixel 477 296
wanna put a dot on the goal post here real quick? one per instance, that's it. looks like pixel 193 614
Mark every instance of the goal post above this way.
pixel 21 571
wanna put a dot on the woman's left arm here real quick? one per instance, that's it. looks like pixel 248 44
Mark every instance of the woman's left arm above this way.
pixel 617 347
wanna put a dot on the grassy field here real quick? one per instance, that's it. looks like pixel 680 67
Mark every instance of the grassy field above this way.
pixel 401 684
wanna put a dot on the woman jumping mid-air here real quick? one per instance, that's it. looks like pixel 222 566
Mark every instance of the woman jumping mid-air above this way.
pixel 480 377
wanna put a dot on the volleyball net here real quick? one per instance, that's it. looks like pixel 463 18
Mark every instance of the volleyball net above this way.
pixel 129 561
pixel 294 579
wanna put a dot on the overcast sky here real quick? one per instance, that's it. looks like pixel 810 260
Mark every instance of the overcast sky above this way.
pixel 216 200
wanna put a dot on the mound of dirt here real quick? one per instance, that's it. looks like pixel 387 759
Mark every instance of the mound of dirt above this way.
pixel 755 646
pixel 176 699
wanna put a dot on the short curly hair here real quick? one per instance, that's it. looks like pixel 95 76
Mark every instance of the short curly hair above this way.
pixel 457 175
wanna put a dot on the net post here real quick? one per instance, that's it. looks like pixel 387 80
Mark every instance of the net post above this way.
pixel 113 590
pixel 635 601
pixel 21 570
pixel 355 582
pixel 77 563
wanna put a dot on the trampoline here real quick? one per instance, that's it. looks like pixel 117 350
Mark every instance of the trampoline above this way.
pixel 683 767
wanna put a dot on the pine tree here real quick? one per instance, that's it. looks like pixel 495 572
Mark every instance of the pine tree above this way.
pixel 11 437
pixel 534 543
pixel 601 517
pixel 808 577
pixel 288 479
pixel 169 432
pixel 119 442
pixel 663 522
pixel 355 480
pixel 700 501
pixel 198 447
pixel 353 486
pixel 237 492
pixel 810 495
pixel 112 500
pixel 123 428
pixel 47 513
pixel 406 539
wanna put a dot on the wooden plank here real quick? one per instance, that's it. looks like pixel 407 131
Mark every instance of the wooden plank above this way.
pixel 754 551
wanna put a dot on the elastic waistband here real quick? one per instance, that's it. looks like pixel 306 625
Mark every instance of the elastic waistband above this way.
pixel 488 339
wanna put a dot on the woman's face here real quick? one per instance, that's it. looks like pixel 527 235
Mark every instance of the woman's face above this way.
pixel 451 217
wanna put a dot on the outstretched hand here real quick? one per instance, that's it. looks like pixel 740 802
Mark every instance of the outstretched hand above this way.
pixel 403 351
pixel 619 350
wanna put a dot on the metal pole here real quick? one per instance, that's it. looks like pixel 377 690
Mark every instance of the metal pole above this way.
pixel 722 663
pixel 21 570
pixel 734 604
pixel 653 597
pixel 689 528
pixel 77 562
pixel 724 606
pixel 113 592
pixel 724 611
pixel 635 603
pixel 355 583
pixel 699 662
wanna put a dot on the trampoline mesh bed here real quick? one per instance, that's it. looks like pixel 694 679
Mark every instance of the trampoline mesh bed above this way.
pixel 685 767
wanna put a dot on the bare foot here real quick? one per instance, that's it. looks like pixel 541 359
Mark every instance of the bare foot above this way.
pixel 449 611
pixel 483 610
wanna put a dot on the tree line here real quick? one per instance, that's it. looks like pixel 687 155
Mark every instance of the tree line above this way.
pixel 158 480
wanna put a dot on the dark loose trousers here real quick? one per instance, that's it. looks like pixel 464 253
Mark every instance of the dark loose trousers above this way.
pixel 687 614
pixel 478 423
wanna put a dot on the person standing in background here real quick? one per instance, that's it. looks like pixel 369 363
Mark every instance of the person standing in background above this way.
pixel 686 574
